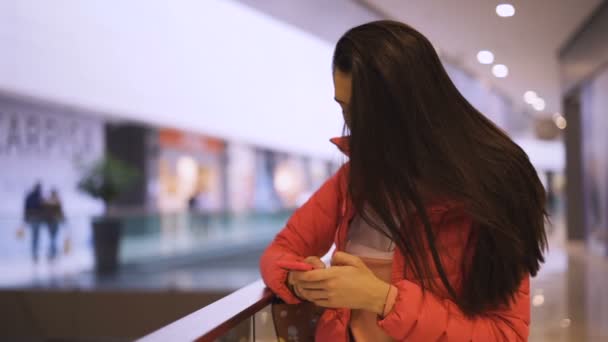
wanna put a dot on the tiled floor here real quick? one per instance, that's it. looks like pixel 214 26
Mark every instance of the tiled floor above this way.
pixel 570 297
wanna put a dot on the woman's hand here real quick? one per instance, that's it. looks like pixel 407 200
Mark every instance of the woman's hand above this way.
pixel 293 277
pixel 347 284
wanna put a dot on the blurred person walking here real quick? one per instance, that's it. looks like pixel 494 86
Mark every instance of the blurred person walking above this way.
pixel 53 217
pixel 33 216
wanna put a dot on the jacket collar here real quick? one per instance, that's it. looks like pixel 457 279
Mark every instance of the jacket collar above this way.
pixel 342 143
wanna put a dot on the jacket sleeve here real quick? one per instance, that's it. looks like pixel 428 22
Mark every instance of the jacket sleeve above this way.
pixel 418 317
pixel 309 232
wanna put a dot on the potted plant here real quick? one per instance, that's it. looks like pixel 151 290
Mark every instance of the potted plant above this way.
pixel 107 180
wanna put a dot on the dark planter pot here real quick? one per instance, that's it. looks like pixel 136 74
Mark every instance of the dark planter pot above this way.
pixel 106 242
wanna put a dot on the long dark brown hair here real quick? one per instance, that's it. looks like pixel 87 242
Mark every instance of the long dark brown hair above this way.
pixel 413 134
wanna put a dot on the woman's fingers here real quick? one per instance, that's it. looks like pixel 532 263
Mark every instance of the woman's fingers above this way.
pixel 345 259
pixel 315 285
pixel 311 294
pixel 312 276
pixel 295 277
pixel 315 262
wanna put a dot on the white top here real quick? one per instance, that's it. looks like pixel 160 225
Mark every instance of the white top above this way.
pixel 376 250
pixel 365 241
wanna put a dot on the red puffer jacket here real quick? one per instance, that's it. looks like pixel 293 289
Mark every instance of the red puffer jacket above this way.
pixel 323 221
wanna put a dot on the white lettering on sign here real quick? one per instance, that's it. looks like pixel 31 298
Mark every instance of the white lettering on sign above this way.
pixel 28 134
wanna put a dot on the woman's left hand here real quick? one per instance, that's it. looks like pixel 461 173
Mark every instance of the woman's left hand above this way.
pixel 348 283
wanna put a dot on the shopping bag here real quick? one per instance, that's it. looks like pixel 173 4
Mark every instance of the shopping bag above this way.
pixel 20 232
pixel 67 245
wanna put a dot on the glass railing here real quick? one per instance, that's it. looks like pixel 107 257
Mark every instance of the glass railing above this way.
pixel 144 238
pixel 148 237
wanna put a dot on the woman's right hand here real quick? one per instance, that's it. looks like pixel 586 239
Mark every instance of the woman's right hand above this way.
pixel 293 278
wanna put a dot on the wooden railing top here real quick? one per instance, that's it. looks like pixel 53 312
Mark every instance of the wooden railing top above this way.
pixel 216 319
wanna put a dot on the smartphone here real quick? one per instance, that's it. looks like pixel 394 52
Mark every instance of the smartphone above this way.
pixel 295 265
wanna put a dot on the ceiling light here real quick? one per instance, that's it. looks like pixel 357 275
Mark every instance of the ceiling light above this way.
pixel 538 300
pixel 530 96
pixel 500 70
pixel 505 10
pixel 485 57
pixel 560 121
pixel 539 104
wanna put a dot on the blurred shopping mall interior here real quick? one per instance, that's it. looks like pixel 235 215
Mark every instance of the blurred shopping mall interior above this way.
pixel 178 137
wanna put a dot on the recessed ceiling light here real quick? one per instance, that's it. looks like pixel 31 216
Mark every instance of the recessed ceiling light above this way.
pixel 505 10
pixel 538 104
pixel 538 300
pixel 530 96
pixel 485 57
pixel 561 122
pixel 500 70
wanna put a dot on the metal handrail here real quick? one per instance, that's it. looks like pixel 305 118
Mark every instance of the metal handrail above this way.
pixel 216 319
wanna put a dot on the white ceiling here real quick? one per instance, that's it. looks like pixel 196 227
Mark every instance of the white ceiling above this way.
pixel 528 43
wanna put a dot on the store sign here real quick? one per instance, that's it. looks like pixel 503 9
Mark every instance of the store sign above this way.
pixel 49 145
pixel 190 141
pixel 46 135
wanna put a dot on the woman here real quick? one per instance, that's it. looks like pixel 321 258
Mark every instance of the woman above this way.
pixel 438 217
